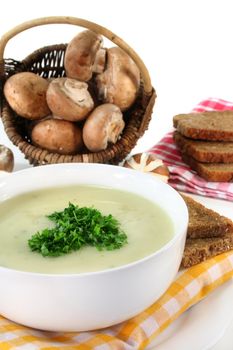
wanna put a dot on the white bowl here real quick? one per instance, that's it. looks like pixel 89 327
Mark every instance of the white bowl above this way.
pixel 87 301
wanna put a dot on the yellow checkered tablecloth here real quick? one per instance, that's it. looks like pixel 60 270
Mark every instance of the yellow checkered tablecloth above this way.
pixel 190 287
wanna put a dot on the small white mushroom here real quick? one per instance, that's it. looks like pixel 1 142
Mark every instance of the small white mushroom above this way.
pixel 69 99
pixel 84 56
pixel 119 83
pixel 103 125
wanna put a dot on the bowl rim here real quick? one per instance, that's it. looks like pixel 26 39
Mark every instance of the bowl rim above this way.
pixel 164 248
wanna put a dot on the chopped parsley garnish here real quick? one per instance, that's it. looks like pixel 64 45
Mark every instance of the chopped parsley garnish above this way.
pixel 76 227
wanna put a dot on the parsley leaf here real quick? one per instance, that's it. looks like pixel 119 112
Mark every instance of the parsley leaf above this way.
pixel 76 227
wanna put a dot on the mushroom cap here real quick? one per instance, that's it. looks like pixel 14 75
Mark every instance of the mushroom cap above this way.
pixel 148 163
pixel 58 136
pixel 6 159
pixel 119 83
pixel 26 94
pixel 80 55
pixel 69 99
pixel 103 125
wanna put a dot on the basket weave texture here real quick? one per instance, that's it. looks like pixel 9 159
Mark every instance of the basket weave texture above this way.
pixel 48 62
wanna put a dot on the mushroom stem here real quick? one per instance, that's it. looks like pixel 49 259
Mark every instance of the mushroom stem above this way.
pixel 100 61
pixel 113 131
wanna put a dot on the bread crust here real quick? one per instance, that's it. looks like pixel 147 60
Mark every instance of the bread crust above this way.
pixel 204 222
pixel 213 126
pixel 200 247
pixel 213 172
pixel 205 151
pixel 199 250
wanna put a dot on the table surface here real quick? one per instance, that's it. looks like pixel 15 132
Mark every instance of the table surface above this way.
pixel 225 343
pixel 186 47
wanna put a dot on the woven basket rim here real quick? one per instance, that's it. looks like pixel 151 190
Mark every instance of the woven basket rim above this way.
pixel 81 23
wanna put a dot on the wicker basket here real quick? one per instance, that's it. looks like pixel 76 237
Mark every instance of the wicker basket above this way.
pixel 48 62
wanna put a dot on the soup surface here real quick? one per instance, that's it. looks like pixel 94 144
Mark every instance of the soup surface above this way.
pixel 147 226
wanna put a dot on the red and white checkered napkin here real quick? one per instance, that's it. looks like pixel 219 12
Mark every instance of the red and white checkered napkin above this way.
pixel 182 177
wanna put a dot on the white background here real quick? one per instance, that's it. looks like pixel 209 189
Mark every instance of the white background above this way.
pixel 187 47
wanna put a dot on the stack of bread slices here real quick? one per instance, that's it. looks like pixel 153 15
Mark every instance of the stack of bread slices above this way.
pixel 208 235
pixel 206 143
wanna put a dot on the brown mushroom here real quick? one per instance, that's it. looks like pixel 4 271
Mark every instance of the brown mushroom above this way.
pixel 58 136
pixel 26 94
pixel 6 159
pixel 84 56
pixel 148 163
pixel 119 83
pixel 103 125
pixel 69 99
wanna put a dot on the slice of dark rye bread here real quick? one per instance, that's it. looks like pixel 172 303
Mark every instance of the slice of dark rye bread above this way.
pixel 213 172
pixel 205 151
pixel 200 249
pixel 213 126
pixel 204 222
